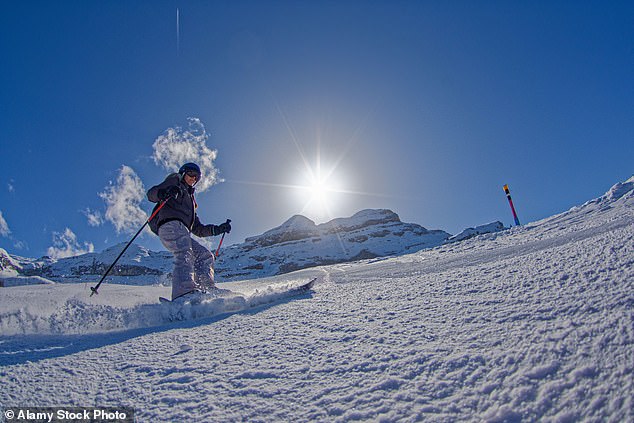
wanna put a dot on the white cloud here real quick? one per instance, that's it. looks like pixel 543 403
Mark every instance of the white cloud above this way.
pixel 123 201
pixel 66 245
pixel 5 232
pixel 4 227
pixel 10 186
pixel 94 217
pixel 178 146
pixel 20 245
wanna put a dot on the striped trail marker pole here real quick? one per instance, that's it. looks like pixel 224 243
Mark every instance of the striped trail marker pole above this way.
pixel 508 196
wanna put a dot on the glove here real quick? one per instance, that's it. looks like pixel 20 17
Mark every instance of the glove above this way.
pixel 224 228
pixel 167 193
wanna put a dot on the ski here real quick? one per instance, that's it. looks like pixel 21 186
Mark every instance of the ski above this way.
pixel 305 287
pixel 225 301
pixel 219 293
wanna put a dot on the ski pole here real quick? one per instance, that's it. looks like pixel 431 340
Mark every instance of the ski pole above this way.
pixel 222 238
pixel 95 288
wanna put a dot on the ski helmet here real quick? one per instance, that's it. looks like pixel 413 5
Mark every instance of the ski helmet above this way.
pixel 193 167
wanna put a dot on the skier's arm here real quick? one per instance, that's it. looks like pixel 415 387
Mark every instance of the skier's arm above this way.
pixel 171 181
pixel 203 230
pixel 209 230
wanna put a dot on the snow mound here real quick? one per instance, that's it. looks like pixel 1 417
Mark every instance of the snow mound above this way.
pixel 620 190
pixel 23 280
pixel 79 314
pixel 478 230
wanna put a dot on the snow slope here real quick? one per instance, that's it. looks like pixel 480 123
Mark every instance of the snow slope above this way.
pixel 535 323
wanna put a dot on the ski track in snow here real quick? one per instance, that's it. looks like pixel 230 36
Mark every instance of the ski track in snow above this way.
pixel 532 324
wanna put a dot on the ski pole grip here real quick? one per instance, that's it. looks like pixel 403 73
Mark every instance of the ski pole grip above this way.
pixel 222 238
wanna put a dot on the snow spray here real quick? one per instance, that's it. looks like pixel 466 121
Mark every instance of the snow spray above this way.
pixel 508 196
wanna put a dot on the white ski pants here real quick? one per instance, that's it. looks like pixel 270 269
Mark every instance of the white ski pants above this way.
pixel 193 263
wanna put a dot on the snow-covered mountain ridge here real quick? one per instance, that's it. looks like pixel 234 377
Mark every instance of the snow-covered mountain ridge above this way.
pixel 299 243
pixel 296 244
pixel 138 264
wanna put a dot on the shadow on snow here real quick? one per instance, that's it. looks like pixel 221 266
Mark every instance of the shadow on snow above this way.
pixel 20 349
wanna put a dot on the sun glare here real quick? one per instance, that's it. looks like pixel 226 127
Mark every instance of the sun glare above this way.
pixel 319 190
pixel 320 193
pixel 320 186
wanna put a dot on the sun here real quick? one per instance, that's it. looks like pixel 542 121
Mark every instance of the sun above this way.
pixel 319 191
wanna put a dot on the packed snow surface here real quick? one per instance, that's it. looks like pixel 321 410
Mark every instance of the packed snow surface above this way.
pixel 532 323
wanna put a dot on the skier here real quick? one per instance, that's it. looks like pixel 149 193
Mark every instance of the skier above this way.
pixel 174 224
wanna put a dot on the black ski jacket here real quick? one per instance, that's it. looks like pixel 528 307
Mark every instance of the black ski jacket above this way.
pixel 182 208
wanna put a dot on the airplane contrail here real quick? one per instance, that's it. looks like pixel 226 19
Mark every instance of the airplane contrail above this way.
pixel 178 33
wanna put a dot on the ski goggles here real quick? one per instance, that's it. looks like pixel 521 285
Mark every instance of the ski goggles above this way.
pixel 193 174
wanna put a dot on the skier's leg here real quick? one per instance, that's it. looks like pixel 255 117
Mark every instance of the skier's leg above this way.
pixel 203 266
pixel 175 237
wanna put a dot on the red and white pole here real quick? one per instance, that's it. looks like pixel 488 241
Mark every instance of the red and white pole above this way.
pixel 508 196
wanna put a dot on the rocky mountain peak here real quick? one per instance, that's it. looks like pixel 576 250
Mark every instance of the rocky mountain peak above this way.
pixel 296 228
pixel 8 265
pixel 362 219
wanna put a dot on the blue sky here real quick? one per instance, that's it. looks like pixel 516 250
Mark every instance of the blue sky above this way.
pixel 424 107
